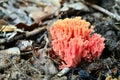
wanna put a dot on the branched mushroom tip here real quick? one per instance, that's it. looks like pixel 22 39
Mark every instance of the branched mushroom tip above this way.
pixel 74 40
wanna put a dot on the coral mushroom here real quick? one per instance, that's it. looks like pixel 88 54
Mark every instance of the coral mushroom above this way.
pixel 73 41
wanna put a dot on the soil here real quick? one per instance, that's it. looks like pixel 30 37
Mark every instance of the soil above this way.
pixel 34 62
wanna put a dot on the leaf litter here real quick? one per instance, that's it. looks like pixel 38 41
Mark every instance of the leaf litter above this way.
pixel 25 41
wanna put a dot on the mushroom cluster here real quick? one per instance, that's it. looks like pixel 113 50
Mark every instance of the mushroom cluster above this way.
pixel 73 40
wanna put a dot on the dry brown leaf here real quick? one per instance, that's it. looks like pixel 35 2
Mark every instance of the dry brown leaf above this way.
pixel 8 28
pixel 3 22
pixel 26 27
pixel 38 15
pixel 50 9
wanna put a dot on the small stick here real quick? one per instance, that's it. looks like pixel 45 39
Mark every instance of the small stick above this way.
pixel 103 10
pixel 63 72
pixel 26 35
pixel 47 41
pixel 33 68
pixel 25 53
pixel 35 31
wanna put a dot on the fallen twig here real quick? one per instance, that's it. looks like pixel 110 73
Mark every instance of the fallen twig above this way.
pixel 103 10
pixel 33 68
pixel 63 72
pixel 47 41
pixel 25 35
pixel 25 53
pixel 34 32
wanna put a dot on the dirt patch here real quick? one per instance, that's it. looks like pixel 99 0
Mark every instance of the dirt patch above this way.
pixel 25 40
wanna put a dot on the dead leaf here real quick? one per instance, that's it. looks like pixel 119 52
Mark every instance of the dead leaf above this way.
pixel 15 15
pixel 26 27
pixel 65 7
pixel 3 22
pixel 13 51
pixel 24 45
pixel 8 28
pixel 76 6
pixel 79 6
pixel 38 15
pixel 5 27
pixel 50 9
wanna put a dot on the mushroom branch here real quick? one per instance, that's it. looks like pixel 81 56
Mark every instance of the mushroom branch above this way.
pixel 73 40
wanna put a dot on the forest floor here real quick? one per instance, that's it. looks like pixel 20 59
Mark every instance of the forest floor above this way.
pixel 25 39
